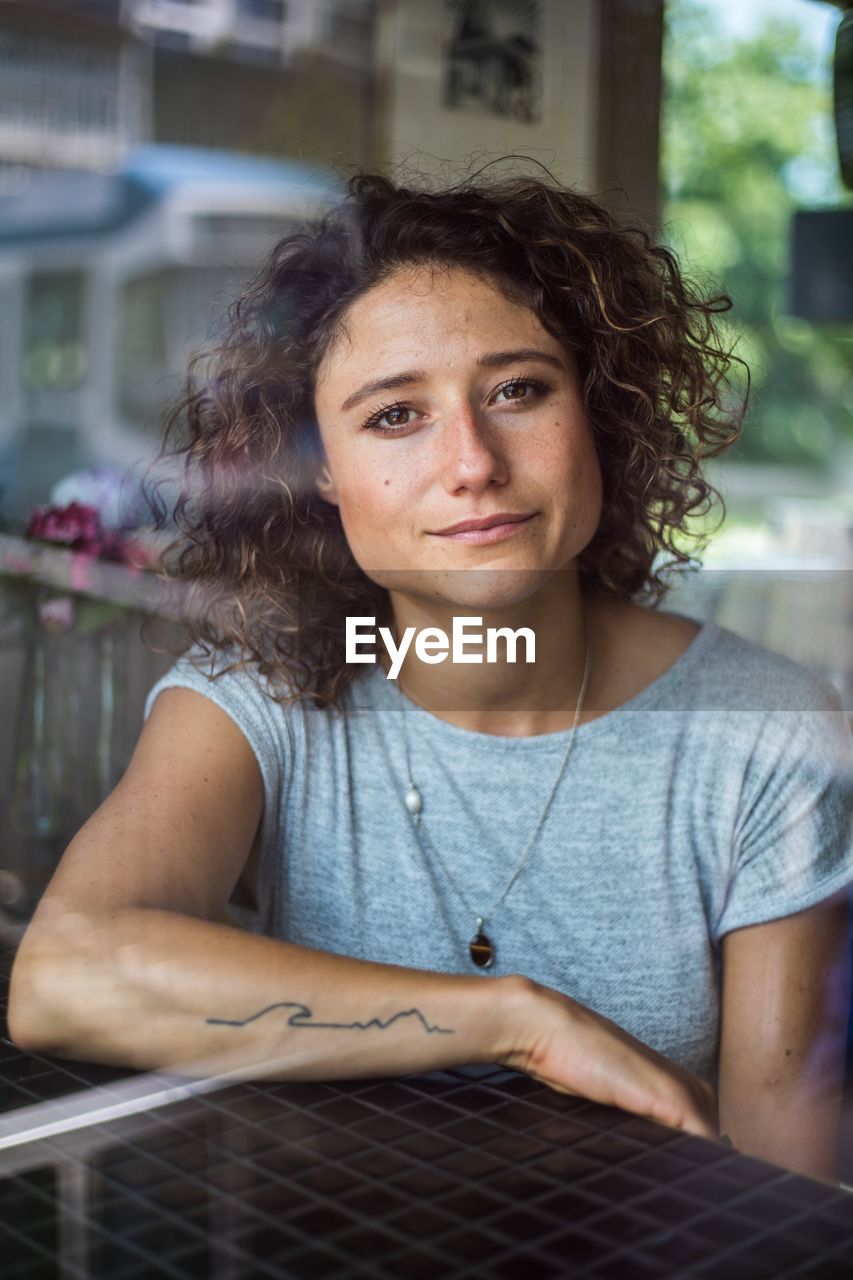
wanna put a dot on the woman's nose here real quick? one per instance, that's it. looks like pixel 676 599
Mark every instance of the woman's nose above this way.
pixel 471 457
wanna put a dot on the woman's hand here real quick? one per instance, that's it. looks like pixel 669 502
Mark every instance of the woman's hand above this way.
pixel 577 1051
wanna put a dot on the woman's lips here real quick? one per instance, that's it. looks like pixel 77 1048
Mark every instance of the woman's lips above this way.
pixel 495 532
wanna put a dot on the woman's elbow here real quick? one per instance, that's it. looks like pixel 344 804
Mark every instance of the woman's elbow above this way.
pixel 32 1016
pixel 48 1010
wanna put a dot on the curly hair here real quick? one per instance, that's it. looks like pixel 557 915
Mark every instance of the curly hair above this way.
pixel 270 574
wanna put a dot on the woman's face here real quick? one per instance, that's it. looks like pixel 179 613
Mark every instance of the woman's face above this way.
pixel 443 402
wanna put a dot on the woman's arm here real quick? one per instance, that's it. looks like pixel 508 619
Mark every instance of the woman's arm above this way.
pixel 150 988
pixel 786 997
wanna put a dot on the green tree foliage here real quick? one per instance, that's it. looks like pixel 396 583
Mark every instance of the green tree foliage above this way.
pixel 747 138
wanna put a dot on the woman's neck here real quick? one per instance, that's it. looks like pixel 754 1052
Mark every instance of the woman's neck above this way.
pixel 516 699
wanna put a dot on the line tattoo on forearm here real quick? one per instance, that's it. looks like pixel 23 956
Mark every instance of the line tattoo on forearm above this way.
pixel 302 1017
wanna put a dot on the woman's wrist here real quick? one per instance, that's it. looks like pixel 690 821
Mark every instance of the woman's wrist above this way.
pixel 513 1005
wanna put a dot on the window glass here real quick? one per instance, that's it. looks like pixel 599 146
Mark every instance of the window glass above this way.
pixel 164 316
pixel 272 10
pixel 54 349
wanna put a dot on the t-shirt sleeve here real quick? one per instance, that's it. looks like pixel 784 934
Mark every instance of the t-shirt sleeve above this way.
pixel 245 698
pixel 793 839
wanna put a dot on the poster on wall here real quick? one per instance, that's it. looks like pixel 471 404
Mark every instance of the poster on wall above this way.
pixel 492 58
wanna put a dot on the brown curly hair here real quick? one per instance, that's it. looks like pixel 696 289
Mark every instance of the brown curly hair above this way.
pixel 270 575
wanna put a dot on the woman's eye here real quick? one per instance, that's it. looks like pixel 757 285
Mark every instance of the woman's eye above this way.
pixel 389 419
pixel 520 389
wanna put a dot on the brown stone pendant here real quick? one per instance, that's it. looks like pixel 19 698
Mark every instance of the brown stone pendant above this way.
pixel 480 948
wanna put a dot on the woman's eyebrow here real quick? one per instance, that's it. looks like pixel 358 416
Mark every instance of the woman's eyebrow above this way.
pixel 390 383
pixel 493 360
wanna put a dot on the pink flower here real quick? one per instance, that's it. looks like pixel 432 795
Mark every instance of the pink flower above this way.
pixel 76 526
pixel 79 527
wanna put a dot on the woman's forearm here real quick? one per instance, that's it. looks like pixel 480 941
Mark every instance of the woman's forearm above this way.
pixel 148 989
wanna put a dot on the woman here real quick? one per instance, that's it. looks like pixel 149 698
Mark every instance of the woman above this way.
pixel 485 405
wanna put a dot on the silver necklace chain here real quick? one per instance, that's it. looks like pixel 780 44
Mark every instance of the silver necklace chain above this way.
pixel 413 799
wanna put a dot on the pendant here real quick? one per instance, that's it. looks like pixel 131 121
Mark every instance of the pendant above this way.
pixel 480 948
pixel 413 801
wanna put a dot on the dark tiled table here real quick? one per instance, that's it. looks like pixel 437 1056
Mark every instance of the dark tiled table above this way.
pixel 480 1174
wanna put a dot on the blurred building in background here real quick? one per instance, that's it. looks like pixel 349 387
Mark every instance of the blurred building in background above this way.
pixel 74 93
pixel 130 206
pixel 109 281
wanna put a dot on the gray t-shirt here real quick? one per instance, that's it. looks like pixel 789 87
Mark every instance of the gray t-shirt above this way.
pixel 718 797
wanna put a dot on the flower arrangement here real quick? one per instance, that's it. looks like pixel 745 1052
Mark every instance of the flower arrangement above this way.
pixel 88 514
pixel 85 514
pixel 79 527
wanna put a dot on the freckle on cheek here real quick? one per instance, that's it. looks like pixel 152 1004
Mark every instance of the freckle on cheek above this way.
pixel 386 482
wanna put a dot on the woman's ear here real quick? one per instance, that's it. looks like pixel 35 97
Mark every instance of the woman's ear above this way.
pixel 325 485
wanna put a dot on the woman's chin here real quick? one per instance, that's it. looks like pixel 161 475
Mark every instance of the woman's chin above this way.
pixel 479 590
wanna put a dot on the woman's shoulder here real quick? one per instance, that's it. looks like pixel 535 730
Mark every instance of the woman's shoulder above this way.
pixel 705 662
pixel 262 705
